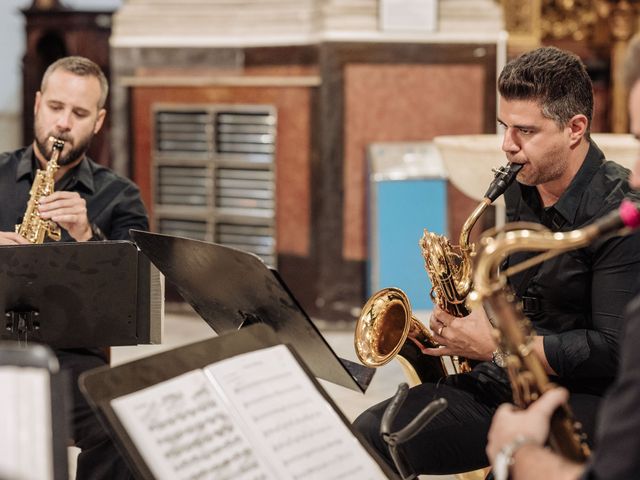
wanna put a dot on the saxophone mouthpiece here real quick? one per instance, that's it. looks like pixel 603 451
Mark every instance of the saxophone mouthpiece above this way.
pixel 504 176
pixel 56 143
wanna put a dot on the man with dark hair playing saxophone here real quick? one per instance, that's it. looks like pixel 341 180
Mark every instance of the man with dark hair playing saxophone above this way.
pixel 575 300
pixel 517 437
pixel 89 202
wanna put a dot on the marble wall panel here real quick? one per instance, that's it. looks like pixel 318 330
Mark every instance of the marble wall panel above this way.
pixel 413 103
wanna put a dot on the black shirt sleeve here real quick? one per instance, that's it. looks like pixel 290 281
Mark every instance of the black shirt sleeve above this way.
pixel 116 208
pixel 593 351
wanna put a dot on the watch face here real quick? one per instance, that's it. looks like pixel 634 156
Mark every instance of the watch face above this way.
pixel 499 358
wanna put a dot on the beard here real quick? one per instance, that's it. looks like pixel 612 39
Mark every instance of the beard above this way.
pixel 547 168
pixel 71 156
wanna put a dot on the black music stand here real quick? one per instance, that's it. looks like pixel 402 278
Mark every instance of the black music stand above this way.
pixel 79 295
pixel 231 289
pixel 54 434
pixel 102 385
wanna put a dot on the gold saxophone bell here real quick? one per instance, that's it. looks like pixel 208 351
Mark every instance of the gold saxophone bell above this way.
pixel 384 331
pixel 386 327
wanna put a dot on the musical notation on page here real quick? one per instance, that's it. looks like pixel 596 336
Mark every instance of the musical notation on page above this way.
pixel 253 416
pixel 184 432
pixel 300 433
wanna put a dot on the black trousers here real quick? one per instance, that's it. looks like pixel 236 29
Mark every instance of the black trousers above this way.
pixel 99 458
pixel 455 440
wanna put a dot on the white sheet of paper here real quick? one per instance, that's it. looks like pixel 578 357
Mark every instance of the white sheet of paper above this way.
pixel 25 423
pixel 183 431
pixel 300 433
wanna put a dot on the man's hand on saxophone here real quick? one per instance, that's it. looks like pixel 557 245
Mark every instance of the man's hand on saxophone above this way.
pixel 470 337
pixel 69 210
pixel 531 424
pixel 525 432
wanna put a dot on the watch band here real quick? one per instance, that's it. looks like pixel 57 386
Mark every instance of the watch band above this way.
pixel 97 234
pixel 504 458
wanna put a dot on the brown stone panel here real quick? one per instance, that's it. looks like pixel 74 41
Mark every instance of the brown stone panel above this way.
pixel 412 103
pixel 292 149
pixel 142 137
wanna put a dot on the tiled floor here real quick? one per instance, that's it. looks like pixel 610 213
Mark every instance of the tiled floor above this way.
pixel 187 327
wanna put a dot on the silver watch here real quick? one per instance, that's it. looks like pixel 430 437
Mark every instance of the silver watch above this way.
pixel 499 357
pixel 504 458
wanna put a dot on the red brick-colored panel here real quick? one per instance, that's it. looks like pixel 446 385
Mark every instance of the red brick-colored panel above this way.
pixel 292 147
pixel 410 103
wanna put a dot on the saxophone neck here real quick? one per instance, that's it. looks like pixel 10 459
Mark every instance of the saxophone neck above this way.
pixel 619 222
pixel 503 178
pixel 52 165
pixel 470 222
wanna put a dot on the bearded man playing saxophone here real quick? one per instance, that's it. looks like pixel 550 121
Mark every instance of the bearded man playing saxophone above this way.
pixel 517 437
pixel 575 300
pixel 89 202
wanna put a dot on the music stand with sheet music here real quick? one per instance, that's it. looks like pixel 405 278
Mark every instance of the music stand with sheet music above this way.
pixel 104 387
pixel 79 295
pixel 35 430
pixel 230 289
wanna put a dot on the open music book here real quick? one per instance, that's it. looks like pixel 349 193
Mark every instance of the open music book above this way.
pixel 255 415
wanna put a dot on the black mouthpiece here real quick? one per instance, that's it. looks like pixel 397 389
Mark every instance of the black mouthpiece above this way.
pixel 504 176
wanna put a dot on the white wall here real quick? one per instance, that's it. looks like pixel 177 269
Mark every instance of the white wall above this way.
pixel 12 39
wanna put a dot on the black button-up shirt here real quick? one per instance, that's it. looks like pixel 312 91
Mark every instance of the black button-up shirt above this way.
pixel 576 300
pixel 113 202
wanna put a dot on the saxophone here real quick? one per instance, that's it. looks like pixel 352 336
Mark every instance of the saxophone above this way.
pixel 449 268
pixel 33 227
pixel 386 327
pixel 526 372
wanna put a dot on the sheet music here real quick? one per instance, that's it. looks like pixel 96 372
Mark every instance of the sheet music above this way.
pixel 183 431
pixel 300 433
pixel 25 423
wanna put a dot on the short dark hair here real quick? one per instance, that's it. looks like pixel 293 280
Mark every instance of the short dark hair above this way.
pixel 82 67
pixel 556 79
pixel 632 62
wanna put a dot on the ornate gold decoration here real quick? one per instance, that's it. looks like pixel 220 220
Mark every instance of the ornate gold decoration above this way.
pixel 523 22
pixel 622 24
pixel 574 19
pixel 605 24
